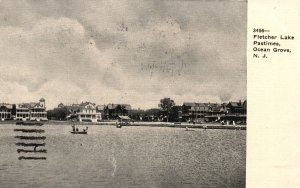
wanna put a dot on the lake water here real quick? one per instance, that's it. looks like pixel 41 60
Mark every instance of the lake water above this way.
pixel 126 157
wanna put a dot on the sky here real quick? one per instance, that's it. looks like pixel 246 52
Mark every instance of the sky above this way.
pixel 131 51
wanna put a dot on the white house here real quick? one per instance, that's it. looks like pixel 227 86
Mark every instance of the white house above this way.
pixel 87 112
pixel 32 111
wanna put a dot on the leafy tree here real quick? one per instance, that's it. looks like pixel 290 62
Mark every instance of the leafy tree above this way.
pixel 166 105
pixel 176 113
pixel 58 113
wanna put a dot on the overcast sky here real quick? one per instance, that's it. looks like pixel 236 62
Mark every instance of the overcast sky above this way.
pixel 127 51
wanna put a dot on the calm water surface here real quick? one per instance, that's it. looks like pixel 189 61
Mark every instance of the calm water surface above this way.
pixel 127 157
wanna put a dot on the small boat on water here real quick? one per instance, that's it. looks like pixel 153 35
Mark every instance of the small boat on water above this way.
pixel 29 123
pixel 76 130
pixel 119 125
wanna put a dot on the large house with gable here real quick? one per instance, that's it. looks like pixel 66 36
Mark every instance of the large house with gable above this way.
pixel 85 111
pixel 113 111
pixel 192 110
pixel 237 107
pixel 31 111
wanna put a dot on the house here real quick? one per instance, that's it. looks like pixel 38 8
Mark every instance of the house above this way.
pixel 31 111
pixel 125 120
pixel 218 109
pixel 5 111
pixel 195 110
pixel 22 112
pixel 85 111
pixel 100 108
pixel 113 111
pixel 237 107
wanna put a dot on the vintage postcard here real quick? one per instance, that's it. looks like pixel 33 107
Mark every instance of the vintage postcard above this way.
pixel 136 93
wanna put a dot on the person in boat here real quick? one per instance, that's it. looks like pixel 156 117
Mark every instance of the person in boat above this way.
pixel 73 127
pixel 77 129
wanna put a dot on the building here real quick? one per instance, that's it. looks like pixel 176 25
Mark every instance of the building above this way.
pixel 237 107
pixel 31 111
pixel 22 112
pixel 100 108
pixel 5 111
pixel 218 109
pixel 85 111
pixel 113 111
pixel 191 111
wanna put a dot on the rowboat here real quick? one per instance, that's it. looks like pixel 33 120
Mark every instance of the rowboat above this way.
pixel 77 131
pixel 119 125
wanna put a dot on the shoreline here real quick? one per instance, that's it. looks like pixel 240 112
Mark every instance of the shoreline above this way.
pixel 145 124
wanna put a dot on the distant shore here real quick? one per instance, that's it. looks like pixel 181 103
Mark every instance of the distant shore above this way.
pixel 142 123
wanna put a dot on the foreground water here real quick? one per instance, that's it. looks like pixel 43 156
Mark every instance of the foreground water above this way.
pixel 127 157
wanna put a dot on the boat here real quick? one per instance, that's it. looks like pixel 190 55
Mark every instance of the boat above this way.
pixel 119 125
pixel 78 132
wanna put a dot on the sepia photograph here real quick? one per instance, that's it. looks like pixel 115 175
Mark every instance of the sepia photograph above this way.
pixel 133 93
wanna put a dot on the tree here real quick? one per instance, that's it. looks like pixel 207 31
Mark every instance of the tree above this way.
pixel 166 105
pixel 58 113
pixel 176 113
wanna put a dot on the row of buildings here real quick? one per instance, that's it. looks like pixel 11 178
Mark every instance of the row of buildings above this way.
pixel 188 112
pixel 198 112
pixel 91 112
pixel 24 111
pixel 212 111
